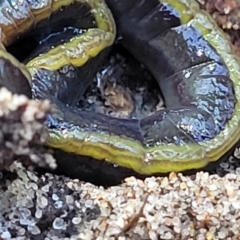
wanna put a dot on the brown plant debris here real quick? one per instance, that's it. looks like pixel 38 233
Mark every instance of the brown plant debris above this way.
pixel 22 132
pixel 227 15
pixel 225 12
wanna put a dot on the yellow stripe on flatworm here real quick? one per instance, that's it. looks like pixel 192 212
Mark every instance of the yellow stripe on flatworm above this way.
pixel 127 153
pixel 82 47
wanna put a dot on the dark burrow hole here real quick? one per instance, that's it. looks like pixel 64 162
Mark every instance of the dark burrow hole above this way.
pixel 123 88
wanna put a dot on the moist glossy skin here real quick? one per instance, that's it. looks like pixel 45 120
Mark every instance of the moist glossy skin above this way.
pixel 186 53
pixel 13 75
